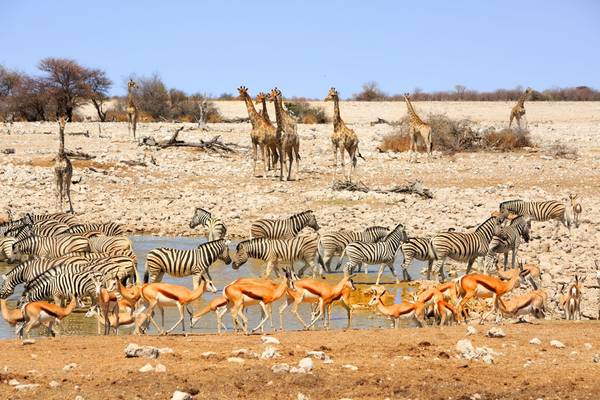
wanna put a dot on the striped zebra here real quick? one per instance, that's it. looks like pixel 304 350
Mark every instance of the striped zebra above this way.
pixel 418 248
pixel 10 226
pixel 63 286
pixel 6 252
pixel 214 226
pixel 566 212
pixel 508 238
pixel 181 263
pixel 46 228
pixel 66 218
pixel 334 243
pixel 383 252
pixel 110 244
pixel 463 246
pixel 108 229
pixel 50 247
pixel 29 270
pixel 119 267
pixel 283 228
pixel 275 251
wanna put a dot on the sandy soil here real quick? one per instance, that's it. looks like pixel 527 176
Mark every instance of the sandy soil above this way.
pixel 395 364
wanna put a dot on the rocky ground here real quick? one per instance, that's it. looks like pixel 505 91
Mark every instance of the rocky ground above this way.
pixel 551 360
pixel 159 196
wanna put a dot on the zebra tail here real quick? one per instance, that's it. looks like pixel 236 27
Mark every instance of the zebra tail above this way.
pixel 146 276
pixel 320 256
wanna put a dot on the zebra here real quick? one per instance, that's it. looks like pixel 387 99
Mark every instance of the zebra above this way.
pixel 30 269
pixel 215 227
pixel 275 251
pixel 284 228
pixel 6 245
pixel 463 246
pixel 46 228
pixel 334 243
pixel 50 247
pixel 418 248
pixel 66 218
pixel 181 263
pixel 383 252
pixel 108 229
pixel 10 226
pixel 79 284
pixel 110 244
pixel 566 212
pixel 508 238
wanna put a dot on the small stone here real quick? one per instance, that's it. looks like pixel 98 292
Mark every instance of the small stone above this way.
pixel 495 333
pixel 297 370
pixel 134 350
pixel 302 396
pixel 236 360
pixel 535 341
pixel 54 384
pixel 558 344
pixel 350 367
pixel 178 395
pixel 280 368
pixel 320 355
pixel 165 350
pixel 69 367
pixel 147 368
pixel 475 396
pixel 208 354
pixel 14 382
pixel 27 386
pixel 471 330
pixel 587 346
pixel 269 340
pixel 79 398
pixel 488 359
pixel 160 368
pixel 26 342
pixel 306 363
pixel 270 352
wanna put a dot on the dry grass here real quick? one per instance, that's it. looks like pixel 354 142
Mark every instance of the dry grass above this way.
pixel 452 136
pixel 305 113
pixel 559 150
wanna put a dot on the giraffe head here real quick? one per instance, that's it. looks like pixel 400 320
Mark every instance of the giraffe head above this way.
pixel 529 90
pixel 243 90
pixel 62 122
pixel 332 94
pixel 274 93
pixel 260 97
pixel 131 84
pixel 406 96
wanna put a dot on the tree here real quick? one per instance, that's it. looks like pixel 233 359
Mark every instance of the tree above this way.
pixel 67 83
pixel 370 92
pixel 152 96
pixel 460 91
pixel 99 85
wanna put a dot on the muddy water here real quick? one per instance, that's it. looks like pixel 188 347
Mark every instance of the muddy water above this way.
pixel 78 324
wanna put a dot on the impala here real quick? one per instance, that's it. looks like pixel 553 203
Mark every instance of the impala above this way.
pixel 531 303
pixel 43 313
pixel 406 310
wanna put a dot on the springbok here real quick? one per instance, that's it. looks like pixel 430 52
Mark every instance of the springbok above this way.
pixel 571 301
pixel 244 292
pixel 531 303
pixel 218 305
pixel 485 286
pixel 12 317
pixel 313 291
pixel 406 310
pixel 168 295
pixel 43 313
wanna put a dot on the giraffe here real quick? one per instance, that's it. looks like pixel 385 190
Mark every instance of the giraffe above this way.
pixel 518 111
pixel 418 129
pixel 263 134
pixel 261 98
pixel 132 112
pixel 342 138
pixel 63 169
pixel 289 133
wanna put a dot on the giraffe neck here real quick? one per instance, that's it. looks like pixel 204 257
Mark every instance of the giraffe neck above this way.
pixel 265 114
pixel 252 114
pixel 278 116
pixel 522 99
pixel 337 119
pixel 61 141
pixel 411 111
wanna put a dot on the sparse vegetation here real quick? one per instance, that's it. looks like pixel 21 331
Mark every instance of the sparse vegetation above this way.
pixel 451 136
pixel 305 113
pixel 559 150
pixel 370 92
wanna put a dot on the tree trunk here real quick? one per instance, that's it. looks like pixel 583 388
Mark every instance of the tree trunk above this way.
pixel 69 114
pixel 98 106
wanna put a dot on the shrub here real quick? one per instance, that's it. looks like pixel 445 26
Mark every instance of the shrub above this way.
pixel 559 150
pixel 305 113
pixel 451 136
pixel 370 92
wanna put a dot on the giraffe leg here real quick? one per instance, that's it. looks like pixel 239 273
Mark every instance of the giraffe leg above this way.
pixel 290 156
pixel 135 118
pixel 254 156
pixel 129 123
pixel 264 150
pixel 512 116
pixel 67 189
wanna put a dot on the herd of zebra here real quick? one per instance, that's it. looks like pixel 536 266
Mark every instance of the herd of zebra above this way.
pixel 62 259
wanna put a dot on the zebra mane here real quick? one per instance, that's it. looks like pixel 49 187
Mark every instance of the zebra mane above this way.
pixel 505 203
pixel 300 214
pixel 485 223
pixel 398 227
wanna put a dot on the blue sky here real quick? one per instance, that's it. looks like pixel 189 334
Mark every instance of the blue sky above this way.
pixel 304 47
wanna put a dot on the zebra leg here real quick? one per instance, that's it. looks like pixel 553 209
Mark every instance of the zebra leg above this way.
pixel 196 281
pixel 506 259
pixel 381 268
pixel 514 256
pixel 440 267
pixel 470 264
pixel 393 271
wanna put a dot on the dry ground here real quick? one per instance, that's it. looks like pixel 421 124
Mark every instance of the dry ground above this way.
pixel 396 364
